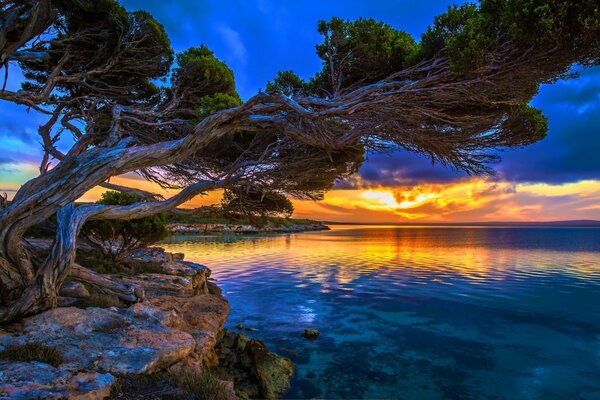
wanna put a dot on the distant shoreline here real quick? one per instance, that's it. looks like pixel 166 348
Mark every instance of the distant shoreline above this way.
pixel 573 224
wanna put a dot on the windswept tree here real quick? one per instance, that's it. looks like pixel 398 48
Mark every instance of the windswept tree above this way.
pixel 90 66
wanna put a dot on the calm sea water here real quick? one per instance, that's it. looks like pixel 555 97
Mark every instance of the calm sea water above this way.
pixel 420 313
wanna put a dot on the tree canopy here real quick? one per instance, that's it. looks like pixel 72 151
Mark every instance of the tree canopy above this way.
pixel 94 70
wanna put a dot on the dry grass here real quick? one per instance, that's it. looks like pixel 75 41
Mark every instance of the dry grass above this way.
pixel 33 352
pixel 167 385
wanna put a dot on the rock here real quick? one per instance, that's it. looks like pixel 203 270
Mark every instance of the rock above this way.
pixel 105 340
pixel 273 371
pixel 155 263
pixel 311 333
pixel 257 372
pixel 33 380
pixel 229 389
pixel 74 289
pixel 201 316
pixel 197 272
pixel 150 255
pixel 177 328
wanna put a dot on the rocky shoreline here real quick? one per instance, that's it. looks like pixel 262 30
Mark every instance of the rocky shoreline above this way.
pixel 197 229
pixel 176 330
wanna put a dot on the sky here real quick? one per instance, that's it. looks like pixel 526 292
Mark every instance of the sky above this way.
pixel 555 179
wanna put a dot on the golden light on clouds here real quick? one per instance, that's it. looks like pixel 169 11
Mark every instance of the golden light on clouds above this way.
pixel 471 200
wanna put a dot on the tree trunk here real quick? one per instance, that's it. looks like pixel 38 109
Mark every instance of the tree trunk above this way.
pixel 128 293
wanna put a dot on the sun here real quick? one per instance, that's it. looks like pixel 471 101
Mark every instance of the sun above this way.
pixel 380 200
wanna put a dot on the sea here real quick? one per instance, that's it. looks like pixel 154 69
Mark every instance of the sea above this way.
pixel 405 312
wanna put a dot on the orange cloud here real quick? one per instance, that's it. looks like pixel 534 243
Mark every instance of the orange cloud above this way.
pixel 471 200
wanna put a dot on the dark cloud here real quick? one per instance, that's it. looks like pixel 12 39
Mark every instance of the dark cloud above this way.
pixel 570 151
pixel 403 168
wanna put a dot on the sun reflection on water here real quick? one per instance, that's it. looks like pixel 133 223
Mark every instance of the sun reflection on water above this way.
pixel 431 312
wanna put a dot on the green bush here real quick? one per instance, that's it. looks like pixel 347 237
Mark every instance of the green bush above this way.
pixel 114 238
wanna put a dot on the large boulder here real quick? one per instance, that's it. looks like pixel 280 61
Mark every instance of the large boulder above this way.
pixel 257 372
pixel 202 316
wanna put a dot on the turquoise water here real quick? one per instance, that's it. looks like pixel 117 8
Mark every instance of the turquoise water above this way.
pixel 420 313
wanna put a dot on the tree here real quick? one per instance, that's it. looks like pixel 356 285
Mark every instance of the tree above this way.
pixel 255 203
pixel 115 238
pixel 90 67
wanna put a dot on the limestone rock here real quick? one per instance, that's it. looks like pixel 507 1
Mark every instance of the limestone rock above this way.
pixel 273 371
pixel 258 373
pixel 36 380
pixel 105 340
pixel 202 316
pixel 157 263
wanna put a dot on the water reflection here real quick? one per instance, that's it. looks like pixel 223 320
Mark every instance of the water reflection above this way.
pixel 420 312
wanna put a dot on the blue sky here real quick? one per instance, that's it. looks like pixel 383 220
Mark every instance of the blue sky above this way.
pixel 257 38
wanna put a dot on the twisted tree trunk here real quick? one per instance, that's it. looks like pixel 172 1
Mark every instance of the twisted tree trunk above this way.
pixel 29 284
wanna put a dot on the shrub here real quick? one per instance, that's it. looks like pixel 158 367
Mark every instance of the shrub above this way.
pixel 115 238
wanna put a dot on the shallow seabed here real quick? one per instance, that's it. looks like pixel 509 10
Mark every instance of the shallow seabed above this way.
pixel 420 312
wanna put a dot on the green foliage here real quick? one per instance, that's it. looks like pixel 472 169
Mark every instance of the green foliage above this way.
pixel 98 261
pixel 287 83
pixel 445 27
pixel 361 51
pixel 216 102
pixel 529 122
pixel 470 34
pixel 117 237
pixel 201 80
pixel 33 351
pixel 256 203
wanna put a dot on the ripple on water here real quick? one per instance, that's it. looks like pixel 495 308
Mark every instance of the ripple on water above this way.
pixel 499 313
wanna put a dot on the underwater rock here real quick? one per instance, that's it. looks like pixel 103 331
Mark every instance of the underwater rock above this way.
pixel 311 334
